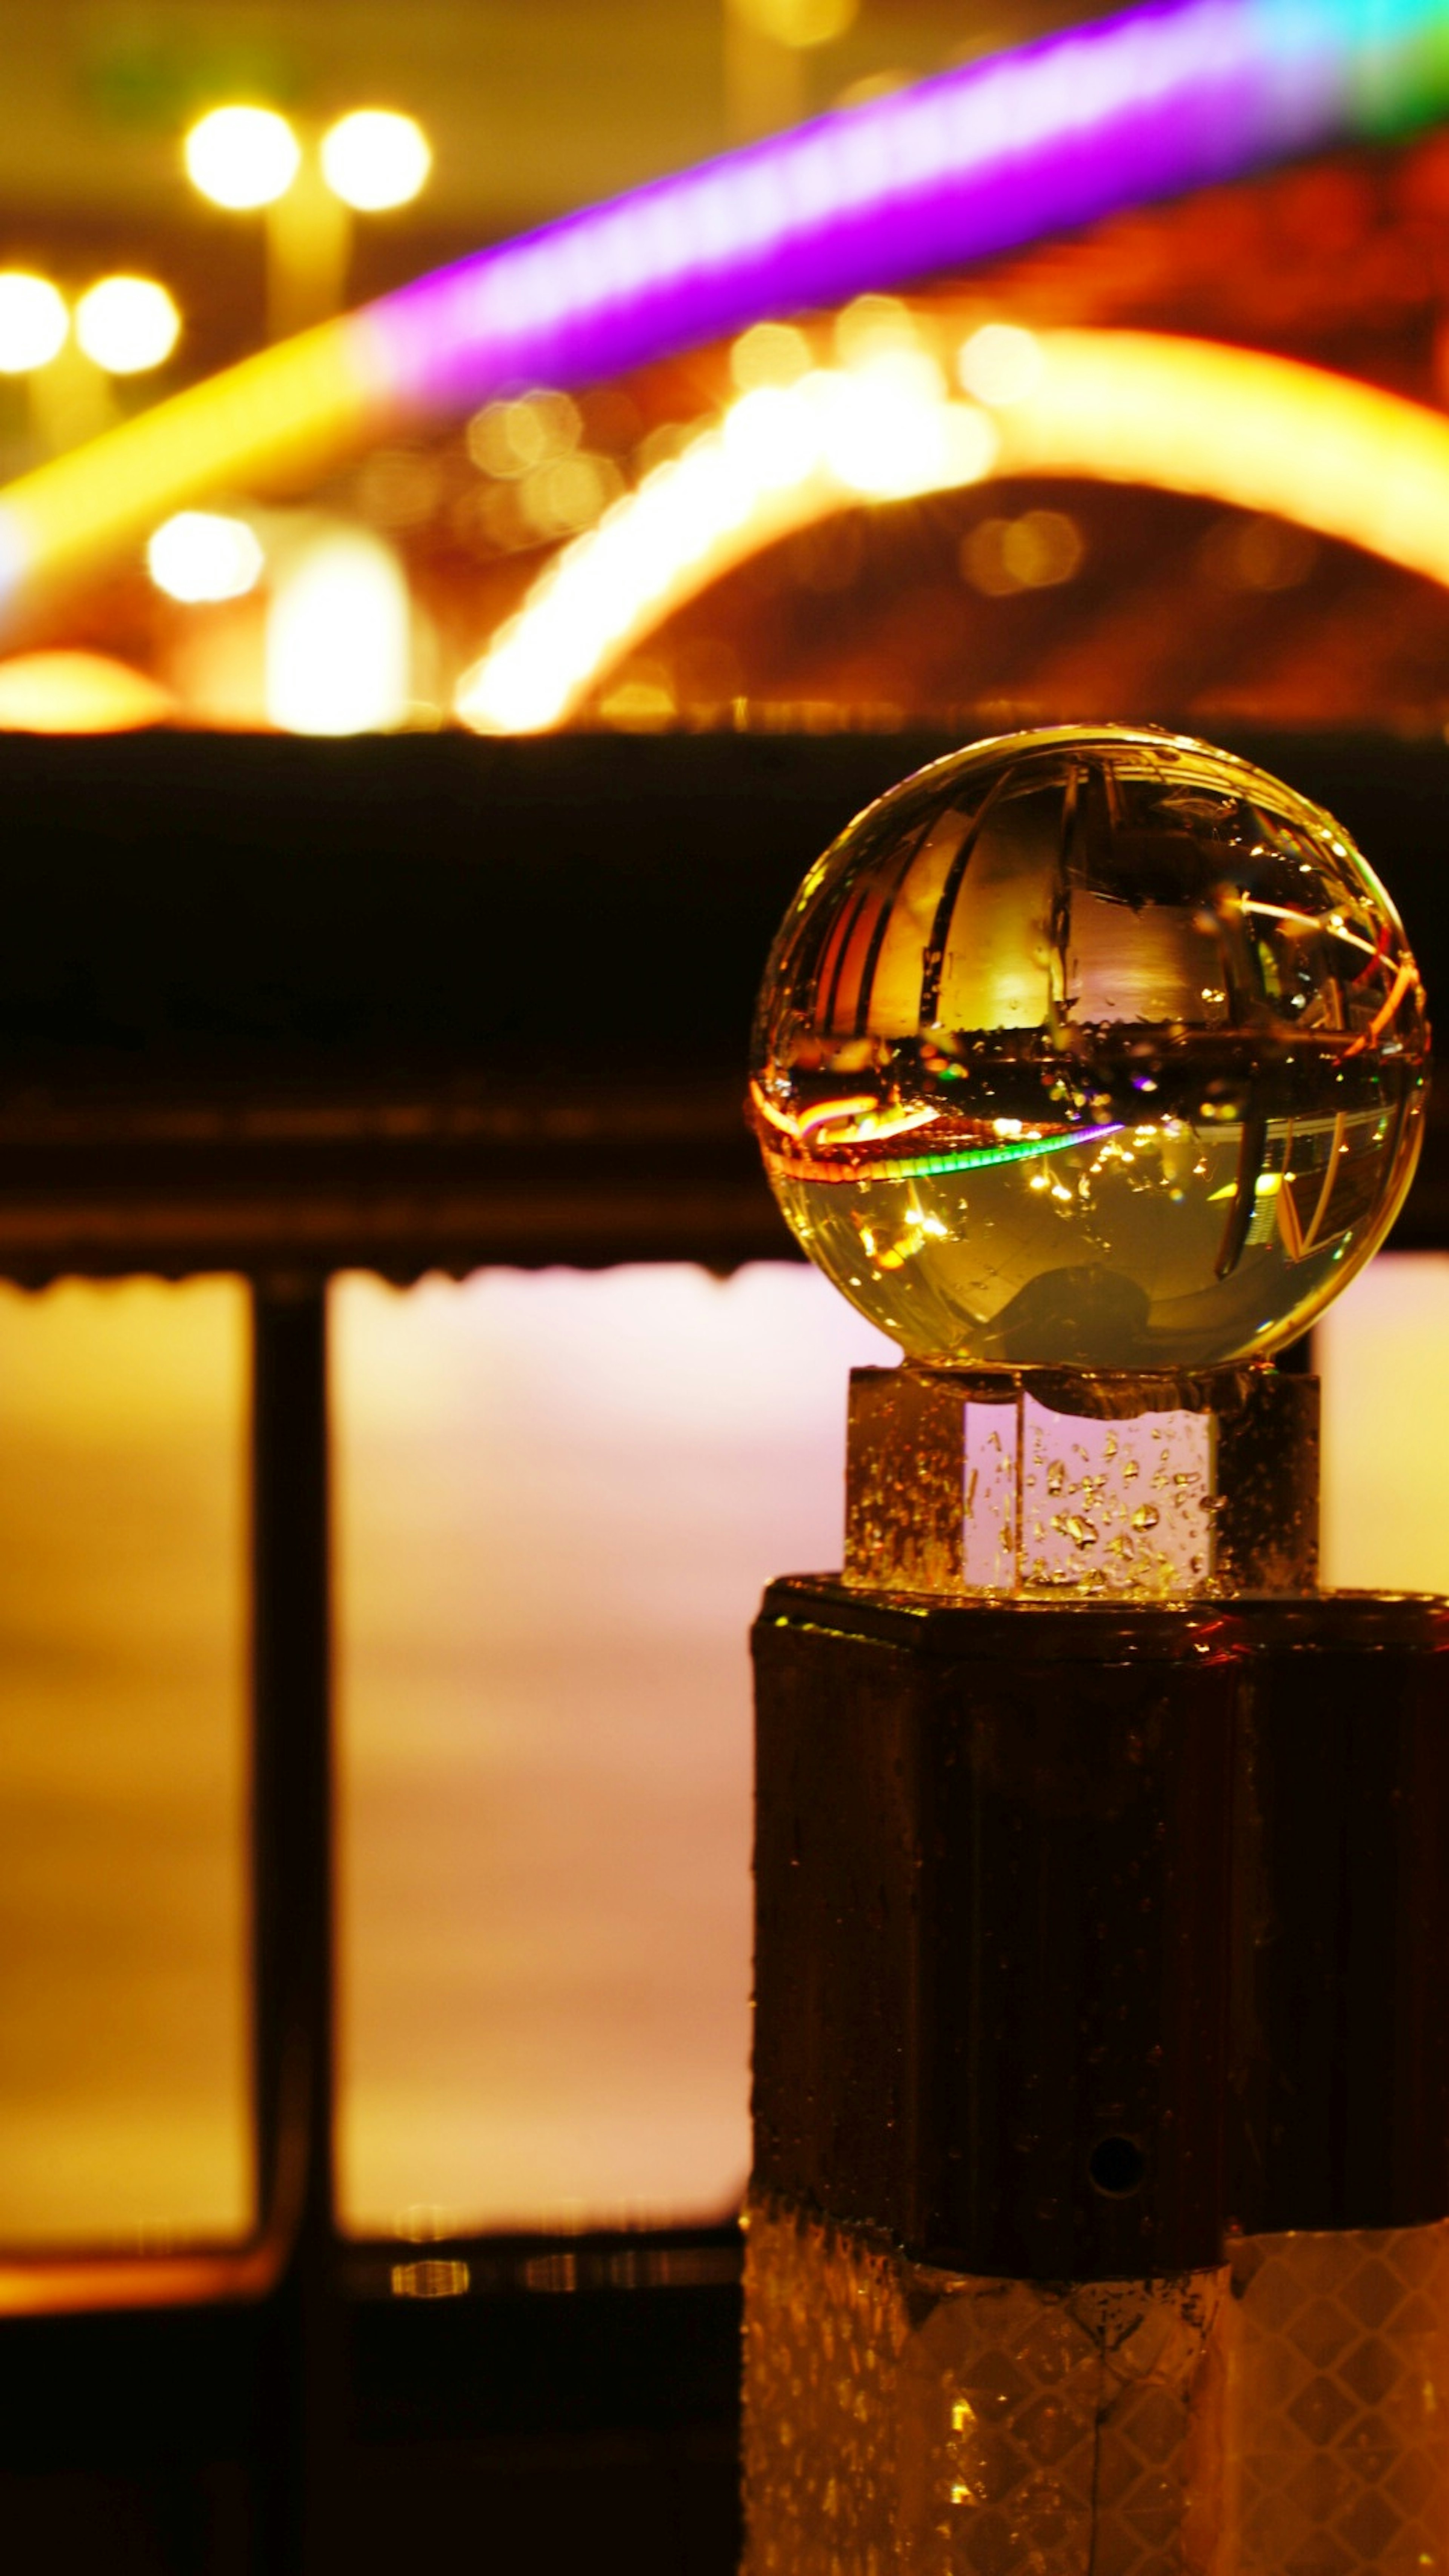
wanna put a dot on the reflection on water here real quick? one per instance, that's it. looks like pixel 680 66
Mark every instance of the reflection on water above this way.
pixel 122 1762
pixel 559 1497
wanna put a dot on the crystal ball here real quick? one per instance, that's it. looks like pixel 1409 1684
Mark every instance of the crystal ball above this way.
pixel 1091 1047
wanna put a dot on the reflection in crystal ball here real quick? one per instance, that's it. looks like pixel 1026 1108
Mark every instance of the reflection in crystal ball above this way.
pixel 1092 1047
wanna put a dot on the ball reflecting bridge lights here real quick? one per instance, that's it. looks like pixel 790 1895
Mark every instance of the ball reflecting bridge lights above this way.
pixel 1161 1132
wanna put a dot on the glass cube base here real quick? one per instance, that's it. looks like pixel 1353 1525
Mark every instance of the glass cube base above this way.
pixel 1059 1484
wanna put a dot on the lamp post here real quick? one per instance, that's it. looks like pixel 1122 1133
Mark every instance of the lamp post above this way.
pixel 120 326
pixel 251 159
pixel 766 46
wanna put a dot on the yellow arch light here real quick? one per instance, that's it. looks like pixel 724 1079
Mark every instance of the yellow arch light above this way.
pixel 288 412
pixel 1255 432
pixel 783 456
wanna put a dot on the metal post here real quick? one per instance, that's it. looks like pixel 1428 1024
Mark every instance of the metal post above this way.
pixel 292 1905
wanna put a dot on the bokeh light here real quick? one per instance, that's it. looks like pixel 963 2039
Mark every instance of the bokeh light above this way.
pixel 127 325
pixel 781 457
pixel 75 692
pixel 1280 440
pixel 1000 363
pixel 988 155
pixel 375 159
pixel 771 353
pixel 800 23
pixel 1038 551
pixel 202 555
pixel 33 322
pixel 242 157
pixel 339 637
pixel 1257 554
pixel 509 439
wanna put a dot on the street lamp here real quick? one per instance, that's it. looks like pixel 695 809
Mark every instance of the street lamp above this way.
pixel 375 160
pixel 33 322
pixel 242 157
pixel 121 326
pixel 127 325
pixel 766 46
pixel 250 158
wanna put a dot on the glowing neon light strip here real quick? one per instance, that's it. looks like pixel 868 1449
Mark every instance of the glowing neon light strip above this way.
pixel 969 1159
pixel 1234 425
pixel 1054 134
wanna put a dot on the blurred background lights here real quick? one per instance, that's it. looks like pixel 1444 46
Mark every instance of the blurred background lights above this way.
pixel 242 157
pixel 508 439
pixel 1038 551
pixel 1000 363
pixel 798 22
pixel 77 692
pixel 773 434
pixel 202 555
pixel 888 432
pixel 782 457
pixel 127 324
pixel 542 484
pixel 872 328
pixel 1258 553
pixel 976 160
pixel 33 322
pixel 339 636
pixel 1281 441
pixel 772 353
pixel 375 159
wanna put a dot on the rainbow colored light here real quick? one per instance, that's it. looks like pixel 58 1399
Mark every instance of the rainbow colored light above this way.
pixel 1055 134
pixel 965 1158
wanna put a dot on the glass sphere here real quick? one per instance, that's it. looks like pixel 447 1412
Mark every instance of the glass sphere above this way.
pixel 1091 1047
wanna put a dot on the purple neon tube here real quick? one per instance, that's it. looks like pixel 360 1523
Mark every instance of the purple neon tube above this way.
pixel 1105 116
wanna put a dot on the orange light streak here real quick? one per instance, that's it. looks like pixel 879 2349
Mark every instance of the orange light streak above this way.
pixel 1406 981
pixel 1255 432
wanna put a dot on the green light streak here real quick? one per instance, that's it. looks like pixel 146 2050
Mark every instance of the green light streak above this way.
pixel 969 1158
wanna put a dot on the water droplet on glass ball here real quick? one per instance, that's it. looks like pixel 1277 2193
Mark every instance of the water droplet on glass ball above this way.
pixel 1091 1047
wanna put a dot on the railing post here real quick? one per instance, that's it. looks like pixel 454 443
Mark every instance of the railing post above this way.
pixel 292 1908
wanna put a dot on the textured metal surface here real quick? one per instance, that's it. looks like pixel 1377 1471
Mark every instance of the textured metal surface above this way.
pixel 1338 2445
pixel 1282 2415
pixel 913 2419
